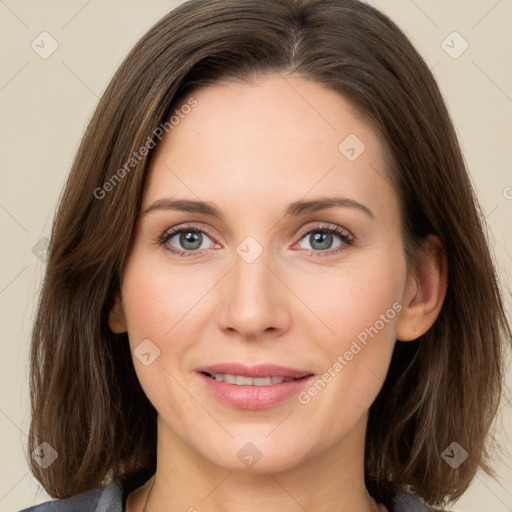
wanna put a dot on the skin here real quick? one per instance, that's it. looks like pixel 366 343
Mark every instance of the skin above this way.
pixel 251 149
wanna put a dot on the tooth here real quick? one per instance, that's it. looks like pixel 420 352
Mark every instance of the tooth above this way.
pixel 230 379
pixel 262 381
pixel 242 380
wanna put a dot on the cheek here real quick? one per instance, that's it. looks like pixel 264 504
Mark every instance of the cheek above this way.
pixel 156 303
pixel 354 298
pixel 158 300
pixel 360 305
pixel 166 305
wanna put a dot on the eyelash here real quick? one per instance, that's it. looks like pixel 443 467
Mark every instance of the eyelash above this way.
pixel 346 238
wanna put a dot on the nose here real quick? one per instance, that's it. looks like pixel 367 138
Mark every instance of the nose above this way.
pixel 254 299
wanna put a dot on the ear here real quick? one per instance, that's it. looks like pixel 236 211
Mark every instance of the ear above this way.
pixel 425 292
pixel 116 318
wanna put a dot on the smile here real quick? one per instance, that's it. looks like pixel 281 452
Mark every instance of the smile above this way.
pixel 252 393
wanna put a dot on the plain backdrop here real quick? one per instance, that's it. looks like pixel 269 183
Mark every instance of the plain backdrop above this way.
pixel 47 100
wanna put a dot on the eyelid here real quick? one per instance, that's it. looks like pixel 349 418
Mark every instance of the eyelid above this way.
pixel 326 226
pixel 192 226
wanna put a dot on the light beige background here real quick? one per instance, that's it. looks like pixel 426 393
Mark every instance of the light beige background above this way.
pixel 46 104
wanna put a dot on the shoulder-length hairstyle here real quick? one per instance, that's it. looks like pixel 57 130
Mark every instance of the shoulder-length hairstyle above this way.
pixel 445 387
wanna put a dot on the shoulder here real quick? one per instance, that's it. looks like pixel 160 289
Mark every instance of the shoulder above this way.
pixel 101 499
pixel 404 502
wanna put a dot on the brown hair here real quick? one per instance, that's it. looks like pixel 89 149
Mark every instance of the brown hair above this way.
pixel 86 400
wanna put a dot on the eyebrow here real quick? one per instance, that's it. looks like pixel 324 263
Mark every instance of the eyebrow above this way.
pixel 294 209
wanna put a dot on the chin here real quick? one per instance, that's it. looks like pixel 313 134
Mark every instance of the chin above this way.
pixel 256 457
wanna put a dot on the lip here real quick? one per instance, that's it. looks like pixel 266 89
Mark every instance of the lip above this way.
pixel 254 397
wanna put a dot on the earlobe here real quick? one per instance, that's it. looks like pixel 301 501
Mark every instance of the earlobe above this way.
pixel 116 318
pixel 425 292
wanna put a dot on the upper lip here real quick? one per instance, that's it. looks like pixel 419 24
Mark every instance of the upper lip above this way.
pixel 260 370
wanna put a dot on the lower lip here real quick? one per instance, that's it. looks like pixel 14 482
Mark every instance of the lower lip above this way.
pixel 254 397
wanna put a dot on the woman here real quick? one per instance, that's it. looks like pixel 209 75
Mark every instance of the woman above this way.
pixel 268 284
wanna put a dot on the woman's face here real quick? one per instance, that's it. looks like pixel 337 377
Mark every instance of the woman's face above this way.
pixel 267 282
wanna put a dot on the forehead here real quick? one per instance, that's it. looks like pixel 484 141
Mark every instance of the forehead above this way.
pixel 244 144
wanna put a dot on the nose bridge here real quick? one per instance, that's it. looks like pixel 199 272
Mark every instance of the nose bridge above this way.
pixel 252 302
pixel 251 274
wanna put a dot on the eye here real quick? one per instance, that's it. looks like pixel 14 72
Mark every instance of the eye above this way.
pixel 191 240
pixel 321 238
pixel 186 240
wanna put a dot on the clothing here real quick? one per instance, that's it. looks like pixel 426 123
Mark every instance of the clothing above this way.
pixel 111 499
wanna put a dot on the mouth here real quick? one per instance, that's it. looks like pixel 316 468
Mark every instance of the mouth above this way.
pixel 253 388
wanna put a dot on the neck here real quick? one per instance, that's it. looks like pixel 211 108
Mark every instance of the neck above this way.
pixel 329 481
